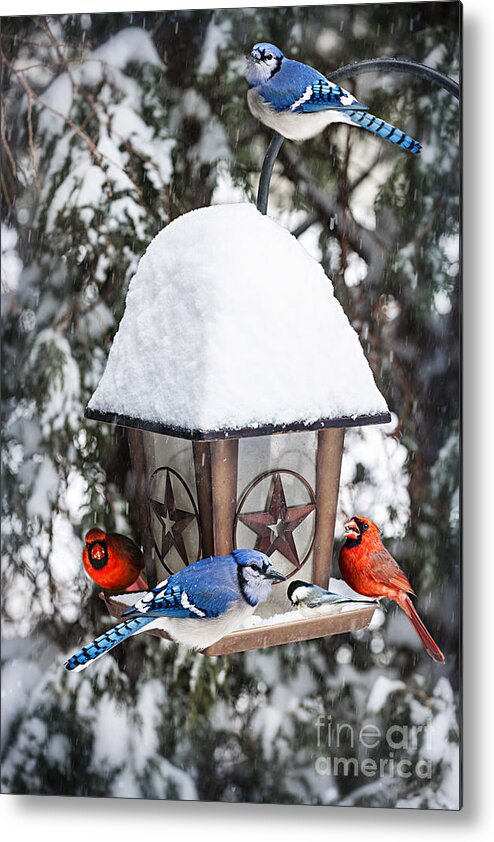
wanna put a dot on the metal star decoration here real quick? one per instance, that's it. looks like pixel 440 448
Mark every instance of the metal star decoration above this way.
pixel 174 522
pixel 277 523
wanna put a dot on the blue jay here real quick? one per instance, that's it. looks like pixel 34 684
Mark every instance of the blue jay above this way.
pixel 196 606
pixel 299 102
pixel 312 601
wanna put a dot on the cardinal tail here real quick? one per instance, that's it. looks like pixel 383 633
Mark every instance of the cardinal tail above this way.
pixel 104 643
pixel 429 643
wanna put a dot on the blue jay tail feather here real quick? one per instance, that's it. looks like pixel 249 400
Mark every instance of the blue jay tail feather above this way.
pixel 104 643
pixel 384 130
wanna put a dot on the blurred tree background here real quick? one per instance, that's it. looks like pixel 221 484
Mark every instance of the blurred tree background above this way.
pixel 112 126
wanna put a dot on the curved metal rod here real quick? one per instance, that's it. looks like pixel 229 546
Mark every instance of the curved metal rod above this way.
pixel 369 66
pixel 398 65
pixel 267 171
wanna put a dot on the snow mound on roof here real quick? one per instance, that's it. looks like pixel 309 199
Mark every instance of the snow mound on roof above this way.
pixel 230 323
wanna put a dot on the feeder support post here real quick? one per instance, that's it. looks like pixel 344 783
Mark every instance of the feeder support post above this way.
pixel 138 460
pixel 224 472
pixel 328 465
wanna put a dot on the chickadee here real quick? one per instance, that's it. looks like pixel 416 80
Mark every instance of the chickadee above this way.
pixel 312 601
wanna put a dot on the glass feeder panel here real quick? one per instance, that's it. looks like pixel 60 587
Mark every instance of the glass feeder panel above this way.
pixel 276 506
pixel 172 502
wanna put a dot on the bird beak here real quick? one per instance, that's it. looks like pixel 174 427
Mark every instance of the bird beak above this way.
pixel 351 529
pixel 274 575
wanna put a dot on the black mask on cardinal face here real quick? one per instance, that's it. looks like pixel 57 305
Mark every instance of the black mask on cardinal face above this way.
pixel 98 554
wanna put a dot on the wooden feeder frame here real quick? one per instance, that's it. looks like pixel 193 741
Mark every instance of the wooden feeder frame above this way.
pixel 215 454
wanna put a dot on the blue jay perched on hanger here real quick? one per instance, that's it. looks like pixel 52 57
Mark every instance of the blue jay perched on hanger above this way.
pixel 312 601
pixel 196 606
pixel 298 102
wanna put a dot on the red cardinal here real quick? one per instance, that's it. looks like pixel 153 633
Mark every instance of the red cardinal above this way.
pixel 370 570
pixel 113 561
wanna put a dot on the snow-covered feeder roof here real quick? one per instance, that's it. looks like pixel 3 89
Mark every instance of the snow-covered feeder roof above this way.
pixel 232 328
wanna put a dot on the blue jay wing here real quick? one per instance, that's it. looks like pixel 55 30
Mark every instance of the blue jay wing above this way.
pixel 320 95
pixel 171 601
pixel 205 589
pixel 300 88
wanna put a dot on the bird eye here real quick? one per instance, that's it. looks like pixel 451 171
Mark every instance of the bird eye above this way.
pixel 268 58
pixel 365 527
pixel 256 567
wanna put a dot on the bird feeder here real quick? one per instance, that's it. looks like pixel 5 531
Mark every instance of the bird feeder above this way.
pixel 236 373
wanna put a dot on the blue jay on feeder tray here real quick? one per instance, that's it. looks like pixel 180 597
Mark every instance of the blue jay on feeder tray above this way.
pixel 196 606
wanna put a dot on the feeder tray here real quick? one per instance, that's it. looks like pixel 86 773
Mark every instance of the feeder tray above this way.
pixel 265 635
